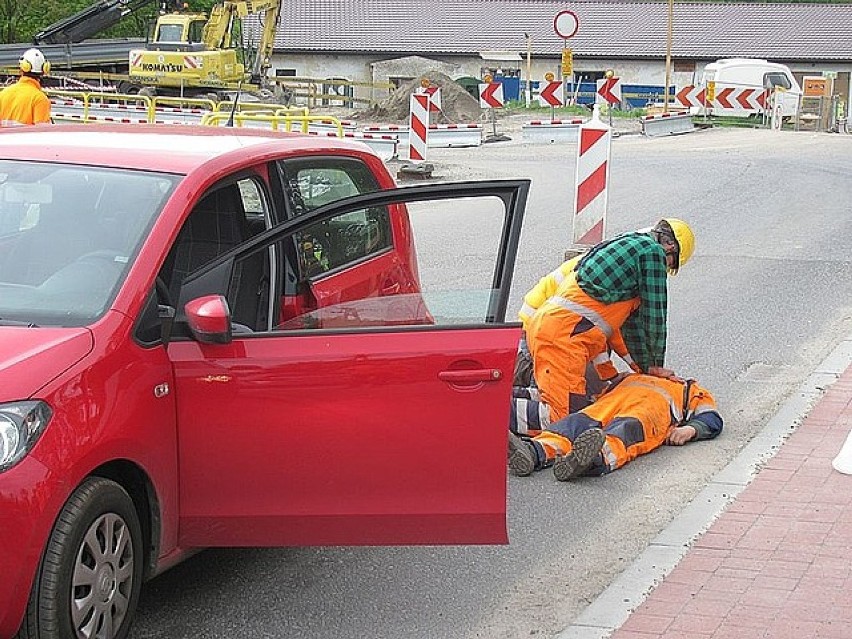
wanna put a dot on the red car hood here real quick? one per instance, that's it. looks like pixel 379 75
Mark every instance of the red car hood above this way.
pixel 32 357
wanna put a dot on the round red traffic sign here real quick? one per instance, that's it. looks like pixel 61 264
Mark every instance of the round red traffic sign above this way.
pixel 566 24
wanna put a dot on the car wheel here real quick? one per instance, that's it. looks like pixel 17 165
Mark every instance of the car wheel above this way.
pixel 91 573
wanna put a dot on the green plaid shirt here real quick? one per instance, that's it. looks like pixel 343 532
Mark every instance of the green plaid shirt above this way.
pixel 627 266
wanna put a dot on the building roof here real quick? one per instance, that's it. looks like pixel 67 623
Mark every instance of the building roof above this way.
pixel 607 29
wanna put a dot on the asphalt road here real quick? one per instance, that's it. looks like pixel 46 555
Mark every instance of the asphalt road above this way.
pixel 765 298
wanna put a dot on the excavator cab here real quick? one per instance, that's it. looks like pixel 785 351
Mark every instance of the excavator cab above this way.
pixel 179 27
pixel 179 32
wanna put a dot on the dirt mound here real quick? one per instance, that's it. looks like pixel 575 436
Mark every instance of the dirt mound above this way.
pixel 457 105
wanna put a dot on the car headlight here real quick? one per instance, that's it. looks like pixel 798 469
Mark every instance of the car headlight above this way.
pixel 21 424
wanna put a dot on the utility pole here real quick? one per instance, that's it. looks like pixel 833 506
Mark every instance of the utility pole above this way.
pixel 529 69
pixel 668 58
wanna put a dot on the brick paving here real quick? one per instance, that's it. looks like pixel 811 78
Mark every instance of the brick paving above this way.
pixel 777 563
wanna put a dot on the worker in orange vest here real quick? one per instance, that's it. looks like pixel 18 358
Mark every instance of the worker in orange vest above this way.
pixel 535 297
pixel 24 102
pixel 615 299
pixel 637 414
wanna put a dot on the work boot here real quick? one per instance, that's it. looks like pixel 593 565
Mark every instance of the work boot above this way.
pixel 584 450
pixel 521 456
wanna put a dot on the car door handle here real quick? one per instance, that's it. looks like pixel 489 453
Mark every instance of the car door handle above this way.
pixel 476 375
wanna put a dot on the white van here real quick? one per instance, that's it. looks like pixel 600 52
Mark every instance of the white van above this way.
pixel 742 86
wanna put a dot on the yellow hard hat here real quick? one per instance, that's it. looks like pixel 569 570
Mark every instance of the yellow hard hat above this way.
pixel 685 239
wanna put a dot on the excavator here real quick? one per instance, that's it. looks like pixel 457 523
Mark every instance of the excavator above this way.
pixel 189 53
pixel 196 54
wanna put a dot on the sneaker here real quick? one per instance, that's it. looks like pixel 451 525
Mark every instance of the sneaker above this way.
pixel 521 456
pixel 584 450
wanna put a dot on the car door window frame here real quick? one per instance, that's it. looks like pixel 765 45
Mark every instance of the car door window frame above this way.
pixel 216 276
pixel 267 202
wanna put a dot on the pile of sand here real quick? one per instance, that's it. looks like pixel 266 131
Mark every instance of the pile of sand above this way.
pixel 457 105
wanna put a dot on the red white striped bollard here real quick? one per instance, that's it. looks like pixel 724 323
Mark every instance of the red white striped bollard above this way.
pixel 418 127
pixel 592 178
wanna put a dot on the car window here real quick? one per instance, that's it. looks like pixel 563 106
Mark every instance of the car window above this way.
pixel 334 244
pixel 68 235
pixel 771 80
pixel 254 205
pixel 443 233
pixel 170 33
pixel 341 242
pixel 196 30
pixel 225 217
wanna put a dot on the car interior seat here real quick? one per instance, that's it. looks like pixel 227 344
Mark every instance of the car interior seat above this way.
pixel 216 225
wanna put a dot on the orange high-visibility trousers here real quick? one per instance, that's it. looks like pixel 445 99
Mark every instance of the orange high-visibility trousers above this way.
pixel 568 331
pixel 636 417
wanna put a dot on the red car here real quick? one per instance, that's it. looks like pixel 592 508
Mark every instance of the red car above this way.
pixel 225 337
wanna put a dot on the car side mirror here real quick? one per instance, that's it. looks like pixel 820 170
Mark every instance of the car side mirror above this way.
pixel 209 319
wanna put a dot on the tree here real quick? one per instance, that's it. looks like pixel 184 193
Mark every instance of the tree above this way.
pixel 22 20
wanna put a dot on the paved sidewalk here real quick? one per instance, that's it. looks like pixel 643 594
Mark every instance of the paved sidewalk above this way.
pixel 777 562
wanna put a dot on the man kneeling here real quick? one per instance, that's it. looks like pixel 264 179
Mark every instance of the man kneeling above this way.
pixel 635 415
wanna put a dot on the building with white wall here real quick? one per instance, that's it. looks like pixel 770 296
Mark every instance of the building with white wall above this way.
pixel 379 41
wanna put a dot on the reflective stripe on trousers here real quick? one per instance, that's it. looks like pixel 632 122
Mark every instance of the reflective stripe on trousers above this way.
pixel 529 414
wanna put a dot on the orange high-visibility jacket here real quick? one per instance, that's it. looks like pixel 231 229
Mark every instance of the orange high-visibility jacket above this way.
pixel 656 403
pixel 545 289
pixel 570 330
pixel 636 416
pixel 24 103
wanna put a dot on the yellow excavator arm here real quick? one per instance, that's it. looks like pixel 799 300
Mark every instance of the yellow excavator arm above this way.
pixel 218 32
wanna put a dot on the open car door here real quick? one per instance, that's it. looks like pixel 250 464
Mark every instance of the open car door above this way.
pixel 360 423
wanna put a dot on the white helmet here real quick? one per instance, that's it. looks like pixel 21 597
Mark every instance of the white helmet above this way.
pixel 33 61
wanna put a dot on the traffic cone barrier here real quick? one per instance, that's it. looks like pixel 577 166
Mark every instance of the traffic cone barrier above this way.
pixel 591 181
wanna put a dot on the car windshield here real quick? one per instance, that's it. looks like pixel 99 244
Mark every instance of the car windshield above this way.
pixel 68 235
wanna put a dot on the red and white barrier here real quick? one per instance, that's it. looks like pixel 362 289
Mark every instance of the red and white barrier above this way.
pixel 434 94
pixel 666 124
pixel 418 128
pixel 386 129
pixel 440 135
pixel 592 178
pixel 320 126
pixel 454 135
pixel 726 100
pixel 385 146
pixel 552 130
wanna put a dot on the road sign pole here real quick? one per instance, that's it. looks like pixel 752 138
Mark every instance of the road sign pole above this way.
pixel 564 76
pixel 566 24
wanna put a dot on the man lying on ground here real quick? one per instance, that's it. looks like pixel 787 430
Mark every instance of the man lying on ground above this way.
pixel 635 415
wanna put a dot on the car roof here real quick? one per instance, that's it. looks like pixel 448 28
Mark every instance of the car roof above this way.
pixel 167 148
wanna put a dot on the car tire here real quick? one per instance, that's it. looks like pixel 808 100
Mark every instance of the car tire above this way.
pixel 105 585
